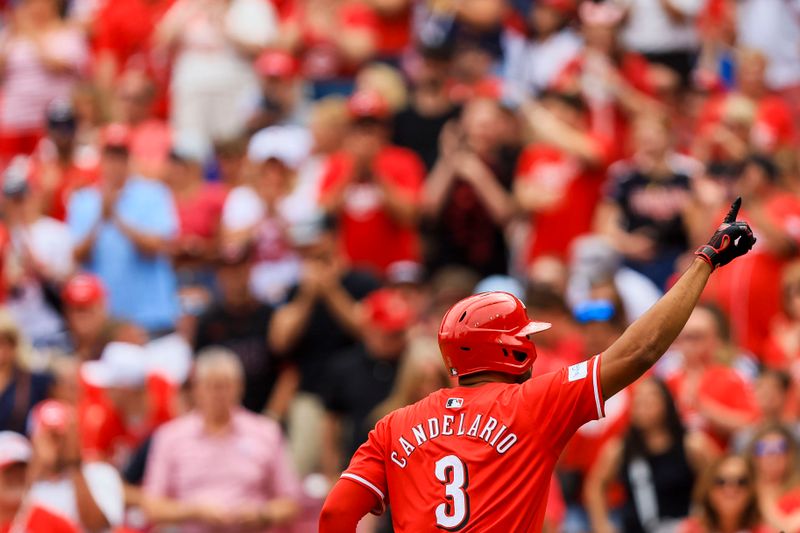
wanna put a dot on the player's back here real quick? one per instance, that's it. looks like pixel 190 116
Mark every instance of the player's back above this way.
pixel 477 458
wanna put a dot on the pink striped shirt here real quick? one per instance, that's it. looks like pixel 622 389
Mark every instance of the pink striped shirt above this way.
pixel 28 86
pixel 246 465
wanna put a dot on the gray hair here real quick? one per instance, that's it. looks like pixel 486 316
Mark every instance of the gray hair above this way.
pixel 218 359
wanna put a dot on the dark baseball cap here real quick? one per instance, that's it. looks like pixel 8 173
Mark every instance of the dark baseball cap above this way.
pixel 61 116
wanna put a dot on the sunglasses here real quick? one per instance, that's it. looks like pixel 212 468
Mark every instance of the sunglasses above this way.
pixel 765 447
pixel 740 482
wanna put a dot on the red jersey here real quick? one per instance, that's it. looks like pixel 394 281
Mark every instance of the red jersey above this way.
pixel 371 238
pixel 477 458
pixel 579 188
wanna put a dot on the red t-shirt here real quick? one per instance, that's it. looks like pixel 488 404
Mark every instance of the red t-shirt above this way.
pixel 719 385
pixel 748 289
pixel 41 520
pixel 104 433
pixel 579 187
pixel 124 28
pixel 477 459
pixel 200 214
pixel 70 178
pixel 370 237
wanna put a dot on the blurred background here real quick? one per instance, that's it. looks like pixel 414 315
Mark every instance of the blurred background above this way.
pixel 229 229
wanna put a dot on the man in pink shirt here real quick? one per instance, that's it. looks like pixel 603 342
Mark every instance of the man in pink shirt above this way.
pixel 220 468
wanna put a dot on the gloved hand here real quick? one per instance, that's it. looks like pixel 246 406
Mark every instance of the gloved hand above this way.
pixel 731 240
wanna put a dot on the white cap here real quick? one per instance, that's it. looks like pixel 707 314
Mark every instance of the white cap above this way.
pixel 170 357
pixel 291 145
pixel 14 448
pixel 121 364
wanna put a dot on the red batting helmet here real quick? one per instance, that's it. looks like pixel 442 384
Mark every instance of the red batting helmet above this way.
pixel 488 332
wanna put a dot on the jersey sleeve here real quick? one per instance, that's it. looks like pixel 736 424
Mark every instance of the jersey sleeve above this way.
pixel 563 401
pixel 368 467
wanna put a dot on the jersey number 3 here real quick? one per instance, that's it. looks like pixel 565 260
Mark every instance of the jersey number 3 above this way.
pixel 454 513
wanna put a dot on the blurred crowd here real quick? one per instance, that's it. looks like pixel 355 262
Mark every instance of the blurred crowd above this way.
pixel 229 229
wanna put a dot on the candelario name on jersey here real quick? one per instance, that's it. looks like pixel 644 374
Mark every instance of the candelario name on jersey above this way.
pixel 485 428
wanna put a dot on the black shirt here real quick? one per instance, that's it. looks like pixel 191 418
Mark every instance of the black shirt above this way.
pixel 244 332
pixel 667 477
pixel 18 398
pixel 465 233
pixel 357 384
pixel 420 133
pixel 323 336
pixel 654 206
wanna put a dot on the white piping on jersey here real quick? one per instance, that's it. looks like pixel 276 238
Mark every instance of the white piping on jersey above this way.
pixel 596 388
pixel 364 482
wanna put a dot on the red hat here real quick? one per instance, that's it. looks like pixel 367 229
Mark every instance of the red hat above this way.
pixel 277 64
pixel 488 332
pixel 387 310
pixel 83 289
pixel 14 448
pixel 367 103
pixel 116 136
pixel 51 414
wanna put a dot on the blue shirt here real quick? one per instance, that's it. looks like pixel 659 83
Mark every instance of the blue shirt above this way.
pixel 141 288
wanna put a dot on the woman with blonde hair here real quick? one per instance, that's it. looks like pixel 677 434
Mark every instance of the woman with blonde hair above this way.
pixel 20 389
pixel 726 499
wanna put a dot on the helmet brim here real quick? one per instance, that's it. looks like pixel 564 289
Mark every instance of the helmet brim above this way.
pixel 533 327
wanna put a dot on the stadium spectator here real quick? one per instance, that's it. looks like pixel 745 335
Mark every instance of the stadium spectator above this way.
pixel 773 451
pixel 66 493
pixel 214 43
pixel 150 137
pixel 199 206
pixel 122 229
pixel 419 126
pixel 21 389
pixel 773 212
pixel 665 33
pixel 782 348
pixel 321 317
pixel 123 40
pixel 15 454
pixel 89 325
pixel 361 377
pixel 711 396
pixel 647 194
pixel 279 100
pixel 41 58
pixel 559 177
pixel 467 196
pixel 536 58
pixel 38 259
pixel 258 215
pixel 657 461
pixel 60 165
pixel 239 322
pixel 726 499
pixel 373 188
pixel 332 38
pixel 773 394
pixel 119 407
pixel 192 478
pixel 595 261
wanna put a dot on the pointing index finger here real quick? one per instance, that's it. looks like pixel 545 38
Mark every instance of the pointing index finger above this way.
pixel 734 212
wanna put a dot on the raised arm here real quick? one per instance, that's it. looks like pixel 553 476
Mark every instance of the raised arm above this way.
pixel 646 340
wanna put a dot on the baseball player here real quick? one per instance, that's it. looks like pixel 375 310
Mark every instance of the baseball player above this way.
pixel 479 457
